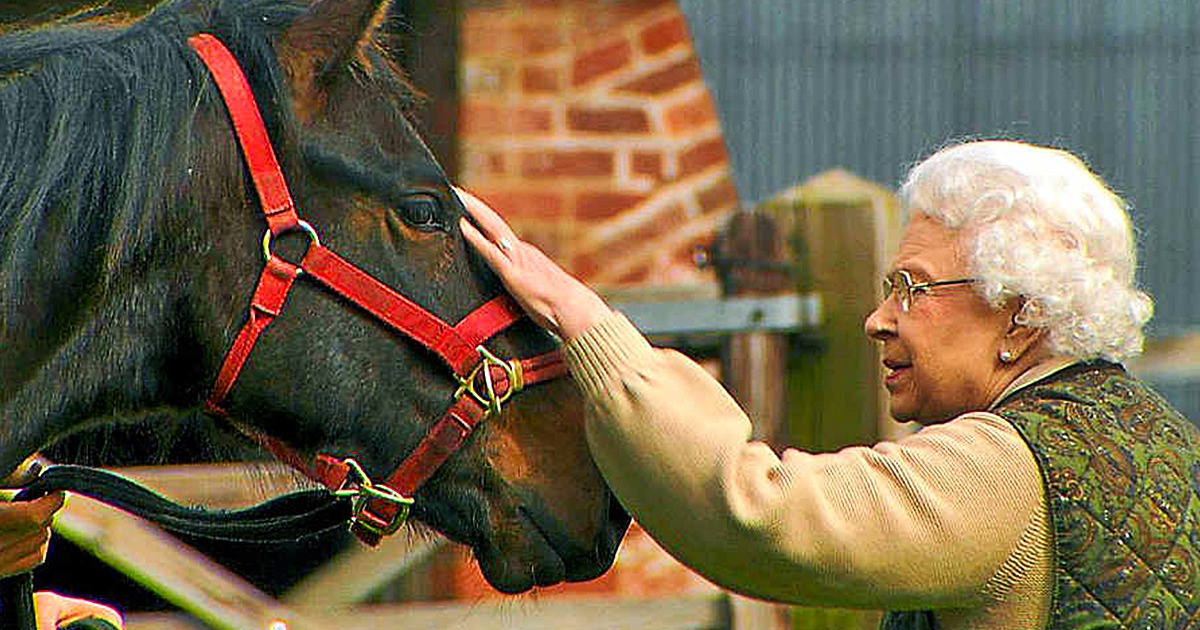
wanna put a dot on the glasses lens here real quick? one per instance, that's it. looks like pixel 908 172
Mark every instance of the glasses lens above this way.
pixel 899 283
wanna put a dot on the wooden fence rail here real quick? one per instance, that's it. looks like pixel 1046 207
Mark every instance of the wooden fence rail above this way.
pixel 560 613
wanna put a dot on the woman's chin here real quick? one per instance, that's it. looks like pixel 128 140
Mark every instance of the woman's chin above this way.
pixel 901 405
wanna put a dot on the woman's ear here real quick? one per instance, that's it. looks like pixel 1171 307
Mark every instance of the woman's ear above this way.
pixel 1021 337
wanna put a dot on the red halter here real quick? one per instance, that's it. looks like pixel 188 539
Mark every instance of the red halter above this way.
pixel 485 381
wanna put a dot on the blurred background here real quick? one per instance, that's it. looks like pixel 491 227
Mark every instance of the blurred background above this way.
pixel 683 152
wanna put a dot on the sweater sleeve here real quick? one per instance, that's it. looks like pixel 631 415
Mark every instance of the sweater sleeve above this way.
pixel 924 522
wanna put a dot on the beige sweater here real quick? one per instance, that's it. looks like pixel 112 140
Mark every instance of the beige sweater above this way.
pixel 952 518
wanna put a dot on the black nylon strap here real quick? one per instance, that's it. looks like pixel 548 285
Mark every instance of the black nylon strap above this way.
pixel 90 624
pixel 283 519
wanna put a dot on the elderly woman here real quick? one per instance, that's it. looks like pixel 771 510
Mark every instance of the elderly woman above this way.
pixel 1047 488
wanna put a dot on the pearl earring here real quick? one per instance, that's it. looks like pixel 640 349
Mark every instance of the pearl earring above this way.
pixel 1006 356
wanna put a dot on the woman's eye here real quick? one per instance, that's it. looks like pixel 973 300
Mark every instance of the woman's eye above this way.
pixel 421 212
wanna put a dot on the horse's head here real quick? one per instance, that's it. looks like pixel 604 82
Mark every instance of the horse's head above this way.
pixel 326 377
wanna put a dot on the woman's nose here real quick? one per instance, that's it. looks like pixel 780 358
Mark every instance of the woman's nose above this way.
pixel 880 323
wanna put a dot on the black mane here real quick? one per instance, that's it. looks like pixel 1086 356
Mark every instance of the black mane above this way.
pixel 106 130
pixel 96 122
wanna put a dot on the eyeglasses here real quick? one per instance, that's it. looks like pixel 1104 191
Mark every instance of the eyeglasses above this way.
pixel 901 284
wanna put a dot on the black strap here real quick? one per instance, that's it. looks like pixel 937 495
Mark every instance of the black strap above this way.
pixel 285 519
pixel 90 623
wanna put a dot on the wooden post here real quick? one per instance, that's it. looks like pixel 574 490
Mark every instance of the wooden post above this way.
pixel 751 260
pixel 844 232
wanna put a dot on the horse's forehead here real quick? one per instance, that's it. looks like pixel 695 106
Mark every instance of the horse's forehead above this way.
pixel 371 161
pixel 363 123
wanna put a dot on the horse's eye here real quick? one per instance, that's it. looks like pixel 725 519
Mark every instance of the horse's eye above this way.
pixel 421 212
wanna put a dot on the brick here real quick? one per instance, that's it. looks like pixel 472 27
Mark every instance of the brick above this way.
pixel 641 243
pixel 601 18
pixel 525 204
pixel 537 39
pixel 694 114
pixel 532 120
pixel 703 155
pixel 541 80
pixel 719 196
pixel 608 120
pixel 494 163
pixel 636 275
pixel 552 163
pixel 684 72
pixel 480 119
pixel 649 164
pixel 601 61
pixel 587 267
pixel 484 119
pixel 665 34
pixel 593 205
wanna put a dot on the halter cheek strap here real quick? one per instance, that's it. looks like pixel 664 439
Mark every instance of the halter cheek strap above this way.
pixel 485 381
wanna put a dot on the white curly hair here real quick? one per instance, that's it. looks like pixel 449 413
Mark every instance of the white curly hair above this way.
pixel 1037 223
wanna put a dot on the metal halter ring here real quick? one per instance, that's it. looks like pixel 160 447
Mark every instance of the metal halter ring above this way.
pixel 359 488
pixel 303 225
pixel 489 398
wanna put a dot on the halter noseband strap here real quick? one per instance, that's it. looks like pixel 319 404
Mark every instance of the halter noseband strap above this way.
pixel 485 381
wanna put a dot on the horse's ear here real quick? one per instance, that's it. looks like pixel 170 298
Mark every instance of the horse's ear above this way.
pixel 325 39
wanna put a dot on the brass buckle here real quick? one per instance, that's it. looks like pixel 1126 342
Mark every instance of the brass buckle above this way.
pixel 361 490
pixel 488 398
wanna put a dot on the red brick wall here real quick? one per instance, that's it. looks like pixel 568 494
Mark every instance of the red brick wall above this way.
pixel 587 123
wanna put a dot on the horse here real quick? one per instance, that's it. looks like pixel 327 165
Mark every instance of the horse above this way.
pixel 131 242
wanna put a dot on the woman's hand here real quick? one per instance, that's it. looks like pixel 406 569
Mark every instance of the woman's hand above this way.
pixel 25 532
pixel 24 537
pixel 54 611
pixel 555 299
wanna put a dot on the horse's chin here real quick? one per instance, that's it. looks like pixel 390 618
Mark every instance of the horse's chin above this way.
pixel 514 575
pixel 545 557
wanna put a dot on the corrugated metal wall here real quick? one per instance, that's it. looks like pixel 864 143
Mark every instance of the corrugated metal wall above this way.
pixel 873 85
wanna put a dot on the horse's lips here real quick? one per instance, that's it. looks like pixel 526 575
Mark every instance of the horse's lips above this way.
pixel 548 557
pixel 582 564
pixel 577 565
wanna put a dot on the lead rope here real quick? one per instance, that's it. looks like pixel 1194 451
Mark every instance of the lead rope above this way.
pixel 284 519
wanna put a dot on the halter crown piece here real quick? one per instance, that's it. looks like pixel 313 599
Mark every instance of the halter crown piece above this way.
pixel 485 381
